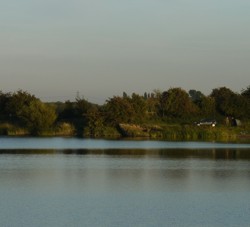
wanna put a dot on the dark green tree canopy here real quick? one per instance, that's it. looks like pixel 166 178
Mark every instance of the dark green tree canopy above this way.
pixel 229 103
pixel 4 100
pixel 118 110
pixel 246 92
pixel 176 103
pixel 27 112
pixel 82 106
pixel 18 101
pixel 196 96
pixel 30 111
pixel 38 116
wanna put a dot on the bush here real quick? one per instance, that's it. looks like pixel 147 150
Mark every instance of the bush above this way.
pixel 65 129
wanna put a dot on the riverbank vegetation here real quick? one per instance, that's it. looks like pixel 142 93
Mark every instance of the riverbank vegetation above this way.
pixel 170 115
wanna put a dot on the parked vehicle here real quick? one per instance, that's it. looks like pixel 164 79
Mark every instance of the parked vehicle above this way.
pixel 210 122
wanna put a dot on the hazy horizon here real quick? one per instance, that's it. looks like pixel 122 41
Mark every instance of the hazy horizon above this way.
pixel 54 49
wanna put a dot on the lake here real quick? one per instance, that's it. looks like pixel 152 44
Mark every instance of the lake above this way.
pixel 86 182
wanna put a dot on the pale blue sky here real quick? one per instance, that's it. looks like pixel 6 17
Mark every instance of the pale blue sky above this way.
pixel 54 48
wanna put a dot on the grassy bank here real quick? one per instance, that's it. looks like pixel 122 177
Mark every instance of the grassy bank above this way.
pixel 8 129
pixel 185 132
pixel 164 131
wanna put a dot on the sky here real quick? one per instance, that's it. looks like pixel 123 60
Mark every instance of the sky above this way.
pixel 55 49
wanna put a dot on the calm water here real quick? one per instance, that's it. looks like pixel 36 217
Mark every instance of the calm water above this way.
pixel 76 182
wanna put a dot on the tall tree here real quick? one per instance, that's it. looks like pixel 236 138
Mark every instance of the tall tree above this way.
pixel 82 106
pixel 196 96
pixel 118 110
pixel 95 120
pixel 17 102
pixel 229 103
pixel 4 99
pixel 38 116
pixel 246 92
pixel 68 111
pixel 207 106
pixel 31 112
pixel 176 103
pixel 139 107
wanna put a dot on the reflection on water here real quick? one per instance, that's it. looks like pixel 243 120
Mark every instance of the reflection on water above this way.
pixel 90 170
pixel 230 154
pixel 125 187
pixel 78 143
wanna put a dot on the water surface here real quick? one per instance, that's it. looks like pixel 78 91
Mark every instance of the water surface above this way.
pixel 108 186
pixel 79 143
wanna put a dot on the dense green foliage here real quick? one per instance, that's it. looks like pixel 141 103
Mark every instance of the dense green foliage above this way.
pixel 176 103
pixel 27 111
pixel 154 114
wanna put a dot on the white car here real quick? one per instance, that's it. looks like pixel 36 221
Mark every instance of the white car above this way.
pixel 211 122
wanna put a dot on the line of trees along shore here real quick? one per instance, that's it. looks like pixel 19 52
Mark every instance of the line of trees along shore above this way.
pixel 22 113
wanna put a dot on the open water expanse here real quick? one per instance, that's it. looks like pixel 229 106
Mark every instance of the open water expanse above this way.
pixel 85 182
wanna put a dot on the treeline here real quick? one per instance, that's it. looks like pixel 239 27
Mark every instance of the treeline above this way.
pixel 23 113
